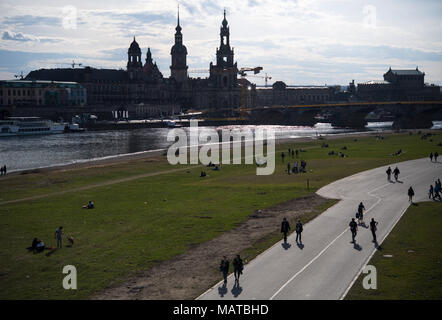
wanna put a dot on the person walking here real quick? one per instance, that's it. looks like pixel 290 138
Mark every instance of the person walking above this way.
pixel 298 229
pixel 4 169
pixel 431 156
pixel 410 194
pixel 59 236
pixel 293 154
pixel 285 228
pixel 1 171
pixel 288 168
pixel 238 266
pixel 388 173
pixel 282 157
pixel 431 192
pixel 436 191
pixel 396 173
pixel 435 158
pixel 224 268
pixel 361 209
pixel 353 228
pixel 373 228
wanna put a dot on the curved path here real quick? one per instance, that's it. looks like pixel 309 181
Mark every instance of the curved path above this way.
pixel 327 265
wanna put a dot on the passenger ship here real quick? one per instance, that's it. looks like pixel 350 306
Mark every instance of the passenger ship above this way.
pixel 18 126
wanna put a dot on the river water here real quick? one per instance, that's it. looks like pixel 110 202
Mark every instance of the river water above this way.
pixel 29 152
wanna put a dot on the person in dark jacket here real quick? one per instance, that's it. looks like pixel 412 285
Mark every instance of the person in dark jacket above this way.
pixel 431 156
pixel 396 173
pixel 224 268
pixel 353 228
pixel 388 173
pixel 435 158
pixel 410 194
pixel 285 228
pixel 298 229
pixel 238 266
pixel 373 228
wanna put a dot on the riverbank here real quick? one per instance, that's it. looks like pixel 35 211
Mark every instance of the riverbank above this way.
pixel 37 152
pixel 150 214
pixel 140 155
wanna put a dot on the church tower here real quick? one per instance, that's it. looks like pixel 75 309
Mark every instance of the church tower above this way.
pixel 178 69
pixel 134 57
pixel 224 75
pixel 224 55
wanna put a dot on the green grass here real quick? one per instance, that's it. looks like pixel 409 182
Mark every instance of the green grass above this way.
pixel 415 270
pixel 139 223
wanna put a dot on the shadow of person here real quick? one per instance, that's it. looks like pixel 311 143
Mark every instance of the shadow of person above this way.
pixel 300 245
pixel 236 290
pixel 415 204
pixel 357 246
pixel 377 246
pixel 222 290
pixel 286 245
pixel 399 181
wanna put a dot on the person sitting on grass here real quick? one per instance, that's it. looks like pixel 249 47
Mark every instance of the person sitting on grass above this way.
pixel 37 245
pixel 90 205
pixel 71 240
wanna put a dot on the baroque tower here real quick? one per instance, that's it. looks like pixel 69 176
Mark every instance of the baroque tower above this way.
pixel 134 57
pixel 178 69
pixel 224 75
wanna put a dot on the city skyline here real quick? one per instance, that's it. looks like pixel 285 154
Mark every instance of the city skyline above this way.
pixel 300 42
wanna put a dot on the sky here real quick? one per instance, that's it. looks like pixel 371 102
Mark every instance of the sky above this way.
pixel 300 42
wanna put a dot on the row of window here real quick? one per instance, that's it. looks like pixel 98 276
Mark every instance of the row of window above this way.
pixel 21 92
pixel 33 129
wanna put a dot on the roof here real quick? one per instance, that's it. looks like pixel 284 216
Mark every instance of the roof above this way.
pixel 77 75
pixel 413 72
pixel 38 84
pixel 375 82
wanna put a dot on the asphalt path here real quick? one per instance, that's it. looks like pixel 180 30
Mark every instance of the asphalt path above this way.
pixel 327 263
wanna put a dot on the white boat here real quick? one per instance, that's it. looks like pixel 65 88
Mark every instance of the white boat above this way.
pixel 18 126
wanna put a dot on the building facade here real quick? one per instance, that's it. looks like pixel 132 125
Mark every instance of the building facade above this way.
pixel 398 85
pixel 42 93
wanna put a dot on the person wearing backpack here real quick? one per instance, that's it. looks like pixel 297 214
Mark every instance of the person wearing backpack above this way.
pixel 285 228
pixel 360 214
pixel 298 229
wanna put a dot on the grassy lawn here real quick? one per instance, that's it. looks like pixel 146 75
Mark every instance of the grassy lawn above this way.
pixel 138 223
pixel 415 271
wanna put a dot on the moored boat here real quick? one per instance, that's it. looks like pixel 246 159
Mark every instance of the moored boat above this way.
pixel 17 126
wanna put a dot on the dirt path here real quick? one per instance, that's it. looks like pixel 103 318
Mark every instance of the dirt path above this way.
pixel 190 274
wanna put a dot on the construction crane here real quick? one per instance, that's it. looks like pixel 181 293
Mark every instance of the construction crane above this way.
pixel 242 71
pixel 21 76
pixel 73 64
pixel 266 77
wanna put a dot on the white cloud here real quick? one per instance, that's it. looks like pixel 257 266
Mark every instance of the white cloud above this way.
pixel 296 41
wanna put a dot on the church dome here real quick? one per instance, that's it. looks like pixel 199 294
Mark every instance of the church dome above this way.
pixel 134 47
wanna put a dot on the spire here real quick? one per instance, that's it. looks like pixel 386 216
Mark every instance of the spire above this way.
pixel 224 20
pixel 178 27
